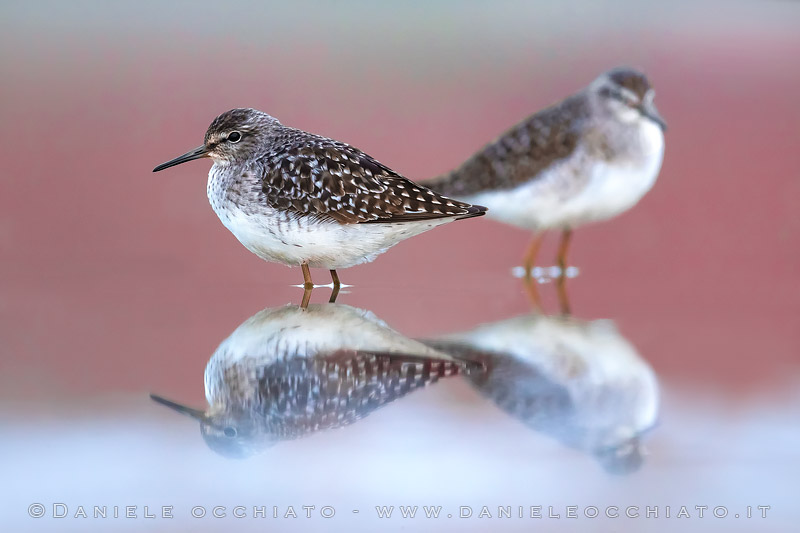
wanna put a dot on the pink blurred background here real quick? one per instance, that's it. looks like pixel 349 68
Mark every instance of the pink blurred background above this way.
pixel 115 281
pixel 109 271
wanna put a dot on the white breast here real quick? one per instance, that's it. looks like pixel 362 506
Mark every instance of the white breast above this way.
pixel 616 186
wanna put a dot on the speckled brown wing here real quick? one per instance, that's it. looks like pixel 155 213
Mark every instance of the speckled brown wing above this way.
pixel 519 154
pixel 312 175
pixel 300 395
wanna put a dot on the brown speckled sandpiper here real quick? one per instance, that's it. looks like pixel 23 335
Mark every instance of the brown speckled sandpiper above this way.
pixel 588 158
pixel 297 198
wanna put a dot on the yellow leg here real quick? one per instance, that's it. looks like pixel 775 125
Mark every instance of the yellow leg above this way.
pixel 336 286
pixel 566 236
pixel 533 293
pixel 563 297
pixel 530 256
pixel 307 283
pixel 306 298
pixel 561 282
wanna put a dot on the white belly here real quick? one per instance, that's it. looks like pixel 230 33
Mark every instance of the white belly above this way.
pixel 293 240
pixel 611 190
pixel 580 189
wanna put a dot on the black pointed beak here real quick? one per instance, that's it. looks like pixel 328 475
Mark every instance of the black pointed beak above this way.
pixel 649 110
pixel 197 153
pixel 197 414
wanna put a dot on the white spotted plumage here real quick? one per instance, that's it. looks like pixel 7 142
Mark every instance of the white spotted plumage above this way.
pixel 297 198
pixel 293 239
pixel 290 371
pixel 302 199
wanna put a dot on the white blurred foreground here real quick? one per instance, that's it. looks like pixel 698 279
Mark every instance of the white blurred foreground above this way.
pixel 442 446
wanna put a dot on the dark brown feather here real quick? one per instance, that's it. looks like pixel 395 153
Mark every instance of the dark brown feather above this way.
pixel 634 81
pixel 312 175
pixel 519 154
pixel 295 396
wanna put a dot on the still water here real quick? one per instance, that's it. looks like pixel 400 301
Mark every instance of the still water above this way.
pixel 329 411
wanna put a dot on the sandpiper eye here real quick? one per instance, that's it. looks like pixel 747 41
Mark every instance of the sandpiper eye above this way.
pixel 229 432
pixel 234 137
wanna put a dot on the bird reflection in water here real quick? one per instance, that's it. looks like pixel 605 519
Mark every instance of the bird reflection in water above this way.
pixel 290 371
pixel 579 381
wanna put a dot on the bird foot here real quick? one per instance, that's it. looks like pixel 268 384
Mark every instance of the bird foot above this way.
pixel 544 275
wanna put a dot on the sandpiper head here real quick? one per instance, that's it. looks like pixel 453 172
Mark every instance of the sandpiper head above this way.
pixel 234 436
pixel 228 432
pixel 236 135
pixel 627 95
